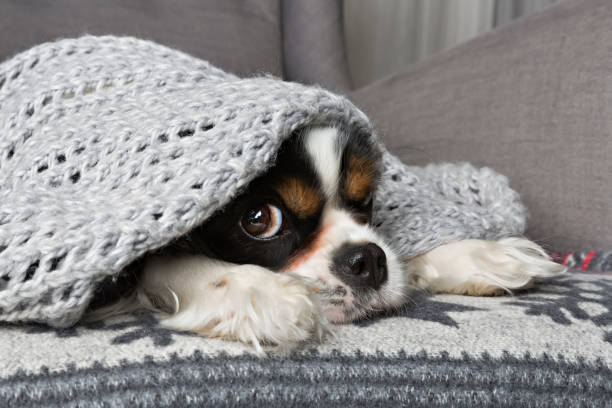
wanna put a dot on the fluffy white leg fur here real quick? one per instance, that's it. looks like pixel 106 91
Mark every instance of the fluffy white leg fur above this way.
pixel 247 303
pixel 477 267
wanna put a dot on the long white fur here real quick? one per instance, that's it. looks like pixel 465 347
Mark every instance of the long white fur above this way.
pixel 477 267
pixel 258 306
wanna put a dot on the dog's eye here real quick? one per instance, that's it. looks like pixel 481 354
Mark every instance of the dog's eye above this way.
pixel 263 221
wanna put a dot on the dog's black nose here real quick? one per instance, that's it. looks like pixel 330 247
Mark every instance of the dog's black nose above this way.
pixel 361 265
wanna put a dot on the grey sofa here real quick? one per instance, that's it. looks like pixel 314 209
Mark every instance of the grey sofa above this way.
pixel 531 100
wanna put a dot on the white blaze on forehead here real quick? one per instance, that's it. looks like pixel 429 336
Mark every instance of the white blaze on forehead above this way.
pixel 321 144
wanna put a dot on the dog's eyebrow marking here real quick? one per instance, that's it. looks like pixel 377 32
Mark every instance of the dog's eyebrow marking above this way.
pixel 360 177
pixel 299 196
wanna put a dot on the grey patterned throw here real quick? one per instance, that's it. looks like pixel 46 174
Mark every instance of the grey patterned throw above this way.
pixel 111 147
pixel 550 347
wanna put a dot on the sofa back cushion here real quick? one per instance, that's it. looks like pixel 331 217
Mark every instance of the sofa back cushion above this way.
pixel 243 37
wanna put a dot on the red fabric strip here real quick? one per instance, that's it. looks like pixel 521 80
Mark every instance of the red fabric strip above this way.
pixel 587 261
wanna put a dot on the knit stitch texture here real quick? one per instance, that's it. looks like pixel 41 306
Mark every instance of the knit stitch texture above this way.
pixel 112 147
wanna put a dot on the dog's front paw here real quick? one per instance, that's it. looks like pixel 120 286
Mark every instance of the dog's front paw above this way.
pixel 514 264
pixel 270 308
pixel 477 267
pixel 253 305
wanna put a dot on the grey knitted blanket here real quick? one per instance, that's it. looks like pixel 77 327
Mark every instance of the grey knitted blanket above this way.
pixel 111 147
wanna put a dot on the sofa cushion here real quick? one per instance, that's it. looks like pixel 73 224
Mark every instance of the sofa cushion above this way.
pixel 549 346
pixel 313 41
pixel 530 100
pixel 242 37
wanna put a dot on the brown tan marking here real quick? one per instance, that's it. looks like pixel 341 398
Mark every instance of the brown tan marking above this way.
pixel 210 329
pixel 299 196
pixel 475 289
pixel 309 250
pixel 220 283
pixel 360 177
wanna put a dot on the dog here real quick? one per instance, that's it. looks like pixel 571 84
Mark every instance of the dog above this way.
pixel 296 251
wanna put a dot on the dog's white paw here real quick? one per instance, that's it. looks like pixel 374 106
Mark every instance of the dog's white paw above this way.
pixel 268 308
pixel 478 267
pixel 248 303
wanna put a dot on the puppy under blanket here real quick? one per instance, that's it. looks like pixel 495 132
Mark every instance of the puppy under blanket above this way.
pixel 111 147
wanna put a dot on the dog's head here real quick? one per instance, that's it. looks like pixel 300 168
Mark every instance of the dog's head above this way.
pixel 310 215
